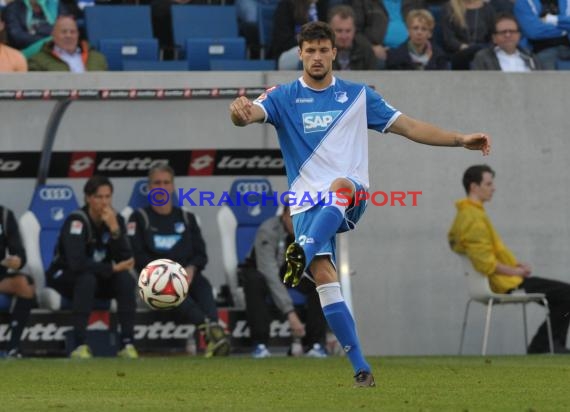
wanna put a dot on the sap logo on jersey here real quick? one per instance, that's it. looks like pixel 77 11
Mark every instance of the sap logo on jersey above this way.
pixel 319 121
pixel 165 242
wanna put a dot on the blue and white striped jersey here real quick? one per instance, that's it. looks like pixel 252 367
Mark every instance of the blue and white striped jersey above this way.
pixel 323 134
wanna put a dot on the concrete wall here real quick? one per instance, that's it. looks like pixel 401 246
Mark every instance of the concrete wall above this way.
pixel 408 289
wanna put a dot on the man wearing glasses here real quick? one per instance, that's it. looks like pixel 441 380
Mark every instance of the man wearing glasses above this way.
pixel 505 54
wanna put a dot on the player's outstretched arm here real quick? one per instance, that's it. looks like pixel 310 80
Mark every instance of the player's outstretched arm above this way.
pixel 244 112
pixel 430 134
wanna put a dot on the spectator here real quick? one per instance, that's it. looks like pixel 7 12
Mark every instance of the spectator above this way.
pixel 505 55
pixel 353 51
pixel 546 25
pixel 418 52
pixel 92 260
pixel 473 234
pixel 12 281
pixel 383 23
pixel 29 23
pixel 166 231
pixel 65 52
pixel 262 277
pixel 11 60
pixel 290 15
pixel 467 26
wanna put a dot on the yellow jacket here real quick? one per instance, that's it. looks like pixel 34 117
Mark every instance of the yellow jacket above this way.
pixel 473 234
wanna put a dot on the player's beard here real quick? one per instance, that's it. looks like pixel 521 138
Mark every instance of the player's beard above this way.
pixel 318 77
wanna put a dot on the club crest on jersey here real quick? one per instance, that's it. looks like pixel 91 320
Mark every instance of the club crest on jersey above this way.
pixel 319 121
pixel 340 97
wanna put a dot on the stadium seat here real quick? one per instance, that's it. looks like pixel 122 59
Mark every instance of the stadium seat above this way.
pixel 199 21
pixel 238 224
pixel 480 291
pixel 265 13
pixel 117 22
pixel 40 227
pixel 200 51
pixel 155 65
pixel 562 64
pixel 242 65
pixel 117 51
pixel 5 302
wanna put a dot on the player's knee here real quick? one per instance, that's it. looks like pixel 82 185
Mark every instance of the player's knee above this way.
pixel 342 184
pixel 23 287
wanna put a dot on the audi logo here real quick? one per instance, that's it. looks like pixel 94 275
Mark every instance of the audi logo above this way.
pixel 56 193
pixel 255 186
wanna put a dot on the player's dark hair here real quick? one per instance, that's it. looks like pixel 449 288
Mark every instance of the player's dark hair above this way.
pixel 474 174
pixel 94 183
pixel 316 30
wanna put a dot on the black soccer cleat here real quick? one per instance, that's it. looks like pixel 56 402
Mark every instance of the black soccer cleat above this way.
pixel 295 258
pixel 364 379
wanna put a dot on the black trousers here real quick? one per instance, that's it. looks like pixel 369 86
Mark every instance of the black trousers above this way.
pixel 200 303
pixel 259 309
pixel 558 296
pixel 83 288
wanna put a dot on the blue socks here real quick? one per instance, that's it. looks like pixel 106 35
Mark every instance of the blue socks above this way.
pixel 324 227
pixel 342 324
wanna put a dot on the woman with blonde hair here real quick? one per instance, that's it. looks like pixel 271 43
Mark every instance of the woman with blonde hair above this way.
pixel 467 27
pixel 418 52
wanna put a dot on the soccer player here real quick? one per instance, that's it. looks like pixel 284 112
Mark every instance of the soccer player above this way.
pixel 322 123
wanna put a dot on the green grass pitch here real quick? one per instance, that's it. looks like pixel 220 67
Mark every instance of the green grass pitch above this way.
pixel 517 383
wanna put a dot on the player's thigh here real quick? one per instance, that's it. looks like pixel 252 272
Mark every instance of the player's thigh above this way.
pixel 322 270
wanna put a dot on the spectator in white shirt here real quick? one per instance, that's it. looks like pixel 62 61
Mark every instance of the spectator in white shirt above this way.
pixel 505 54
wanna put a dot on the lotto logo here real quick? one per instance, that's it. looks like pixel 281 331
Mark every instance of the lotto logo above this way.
pixel 56 193
pixel 319 121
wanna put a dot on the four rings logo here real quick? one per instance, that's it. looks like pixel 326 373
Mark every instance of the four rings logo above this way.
pixel 56 193
pixel 257 187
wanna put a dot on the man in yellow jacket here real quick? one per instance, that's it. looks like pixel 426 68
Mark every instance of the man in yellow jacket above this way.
pixel 473 234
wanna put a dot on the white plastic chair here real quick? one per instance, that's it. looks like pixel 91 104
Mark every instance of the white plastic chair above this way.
pixel 480 291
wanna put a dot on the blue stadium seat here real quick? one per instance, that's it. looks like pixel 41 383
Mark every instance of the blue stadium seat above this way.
pixel 118 50
pixel 242 64
pixel 238 224
pixel 265 16
pixel 117 22
pixel 155 65
pixel 200 51
pixel 5 302
pixel 562 64
pixel 40 227
pixel 195 21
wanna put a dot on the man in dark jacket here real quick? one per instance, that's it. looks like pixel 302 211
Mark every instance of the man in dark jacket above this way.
pixel 12 282
pixel 65 52
pixel 93 258
pixel 164 231
pixel 354 51
pixel 505 55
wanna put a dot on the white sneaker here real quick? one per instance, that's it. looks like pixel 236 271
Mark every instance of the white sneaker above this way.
pixel 260 352
pixel 317 351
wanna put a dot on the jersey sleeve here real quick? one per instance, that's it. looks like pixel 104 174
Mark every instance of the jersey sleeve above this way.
pixel 380 114
pixel 269 102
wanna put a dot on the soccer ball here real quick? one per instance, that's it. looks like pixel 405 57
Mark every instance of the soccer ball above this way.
pixel 163 284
